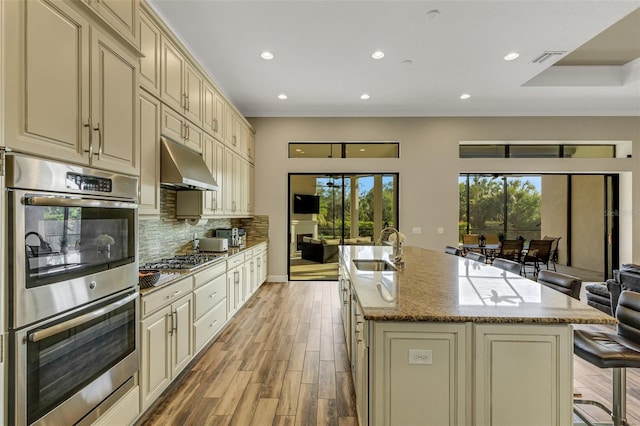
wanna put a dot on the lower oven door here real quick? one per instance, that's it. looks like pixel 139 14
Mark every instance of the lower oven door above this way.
pixel 67 368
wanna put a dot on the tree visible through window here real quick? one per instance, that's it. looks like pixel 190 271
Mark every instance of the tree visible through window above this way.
pixel 506 206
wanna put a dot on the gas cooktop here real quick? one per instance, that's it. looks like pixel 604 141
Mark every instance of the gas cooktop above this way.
pixel 183 262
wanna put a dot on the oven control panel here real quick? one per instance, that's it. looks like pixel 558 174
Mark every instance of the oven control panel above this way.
pixel 88 183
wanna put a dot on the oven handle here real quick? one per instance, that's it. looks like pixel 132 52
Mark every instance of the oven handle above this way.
pixel 58 328
pixel 76 202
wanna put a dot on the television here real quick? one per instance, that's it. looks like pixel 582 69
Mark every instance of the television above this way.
pixel 304 203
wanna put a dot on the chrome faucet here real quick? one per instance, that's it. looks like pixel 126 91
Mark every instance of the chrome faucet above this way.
pixel 397 247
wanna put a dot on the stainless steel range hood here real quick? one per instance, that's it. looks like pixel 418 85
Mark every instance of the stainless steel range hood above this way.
pixel 181 168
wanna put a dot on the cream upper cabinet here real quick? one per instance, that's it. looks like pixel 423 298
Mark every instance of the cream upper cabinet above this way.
pixel 193 88
pixel 114 106
pixel 149 200
pixel 122 15
pixel 250 144
pixel 219 176
pixel 181 83
pixel 250 185
pixel 208 153
pixel 54 59
pixel 172 75
pixel 213 112
pixel 150 48
pixel 176 127
pixel 230 127
pixel 229 182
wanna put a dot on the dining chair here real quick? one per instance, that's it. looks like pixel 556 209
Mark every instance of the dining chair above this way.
pixel 510 250
pixel 536 255
pixel 553 257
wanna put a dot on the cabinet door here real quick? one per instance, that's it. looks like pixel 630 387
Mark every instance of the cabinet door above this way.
pixel 229 126
pixel 150 62
pixel 193 83
pixel 264 263
pixel 250 144
pixel 232 292
pixel 155 365
pixel 219 120
pixel 208 153
pixel 172 124
pixel 208 108
pixel 182 337
pixel 114 106
pixel 250 185
pixel 241 172
pixel 228 191
pixel 171 72
pixel 149 201
pixel 46 60
pixel 122 15
pixel 218 174
pixel 194 136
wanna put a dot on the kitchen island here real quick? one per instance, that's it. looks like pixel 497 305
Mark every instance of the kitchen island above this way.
pixel 446 340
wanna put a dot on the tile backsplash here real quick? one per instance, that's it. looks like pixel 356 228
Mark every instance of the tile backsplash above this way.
pixel 167 236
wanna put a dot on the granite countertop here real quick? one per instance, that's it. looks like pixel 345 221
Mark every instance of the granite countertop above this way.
pixel 171 276
pixel 439 287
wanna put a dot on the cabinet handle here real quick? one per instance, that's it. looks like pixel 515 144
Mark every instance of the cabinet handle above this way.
pixel 183 131
pixel 97 129
pixel 90 150
pixel 215 129
pixel 213 323
pixel 188 104
pixel 175 293
pixel 233 140
pixel 213 294
pixel 183 100
pixel 170 327
pixel 188 132
pixel 175 323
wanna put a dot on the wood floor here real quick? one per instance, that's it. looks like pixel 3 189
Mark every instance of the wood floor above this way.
pixel 282 361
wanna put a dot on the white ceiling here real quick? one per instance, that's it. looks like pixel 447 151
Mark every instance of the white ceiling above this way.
pixel 323 56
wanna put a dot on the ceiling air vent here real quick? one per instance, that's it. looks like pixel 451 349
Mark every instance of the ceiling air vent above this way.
pixel 546 55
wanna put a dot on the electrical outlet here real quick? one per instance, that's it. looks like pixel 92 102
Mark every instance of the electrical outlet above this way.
pixel 420 356
pixel 416 230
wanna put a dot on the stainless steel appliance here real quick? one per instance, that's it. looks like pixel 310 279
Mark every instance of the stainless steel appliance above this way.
pixel 72 273
pixel 235 236
pixel 214 244
pixel 183 262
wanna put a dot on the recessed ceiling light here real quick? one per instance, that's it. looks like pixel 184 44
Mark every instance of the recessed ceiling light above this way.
pixel 282 96
pixel 362 149
pixel 298 150
pixel 511 56
pixel 465 96
pixel 378 54
pixel 266 55
pixel 432 14
pixel 407 61
pixel 364 96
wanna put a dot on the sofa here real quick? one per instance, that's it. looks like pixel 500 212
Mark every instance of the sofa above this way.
pixel 326 250
pixel 605 296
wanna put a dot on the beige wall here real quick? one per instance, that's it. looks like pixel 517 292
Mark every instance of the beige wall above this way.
pixel 428 165
pixel 587 222
pixel 553 211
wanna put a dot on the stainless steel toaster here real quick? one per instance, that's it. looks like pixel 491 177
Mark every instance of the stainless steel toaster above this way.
pixel 214 244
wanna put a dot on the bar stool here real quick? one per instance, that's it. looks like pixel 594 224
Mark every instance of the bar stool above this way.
pixel 613 350
pixel 476 256
pixel 452 250
pixel 507 265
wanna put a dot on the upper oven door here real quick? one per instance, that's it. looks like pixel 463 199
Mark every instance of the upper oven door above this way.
pixel 67 251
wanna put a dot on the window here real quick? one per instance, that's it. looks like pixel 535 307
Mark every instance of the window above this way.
pixel 344 150
pixel 519 150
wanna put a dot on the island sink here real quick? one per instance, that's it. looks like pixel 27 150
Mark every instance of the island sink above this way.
pixel 373 265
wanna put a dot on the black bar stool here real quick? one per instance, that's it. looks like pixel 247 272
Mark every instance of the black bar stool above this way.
pixel 613 350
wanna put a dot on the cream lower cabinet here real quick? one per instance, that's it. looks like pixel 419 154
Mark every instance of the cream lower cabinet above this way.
pixel 523 374
pixel 260 257
pixel 123 412
pixel 210 301
pixel 166 337
pixel 73 88
pixel 235 283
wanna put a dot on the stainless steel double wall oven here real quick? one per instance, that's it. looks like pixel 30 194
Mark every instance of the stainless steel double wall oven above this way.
pixel 73 300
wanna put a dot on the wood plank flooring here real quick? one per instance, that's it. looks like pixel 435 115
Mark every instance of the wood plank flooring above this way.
pixel 282 361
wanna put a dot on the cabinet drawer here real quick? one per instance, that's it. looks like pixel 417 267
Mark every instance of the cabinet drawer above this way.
pixel 209 295
pixel 164 296
pixel 236 260
pixel 259 249
pixel 205 276
pixel 123 412
pixel 208 325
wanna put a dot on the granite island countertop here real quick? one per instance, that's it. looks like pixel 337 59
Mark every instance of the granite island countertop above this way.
pixel 438 287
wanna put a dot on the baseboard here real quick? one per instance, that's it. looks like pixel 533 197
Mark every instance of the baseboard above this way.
pixel 277 278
